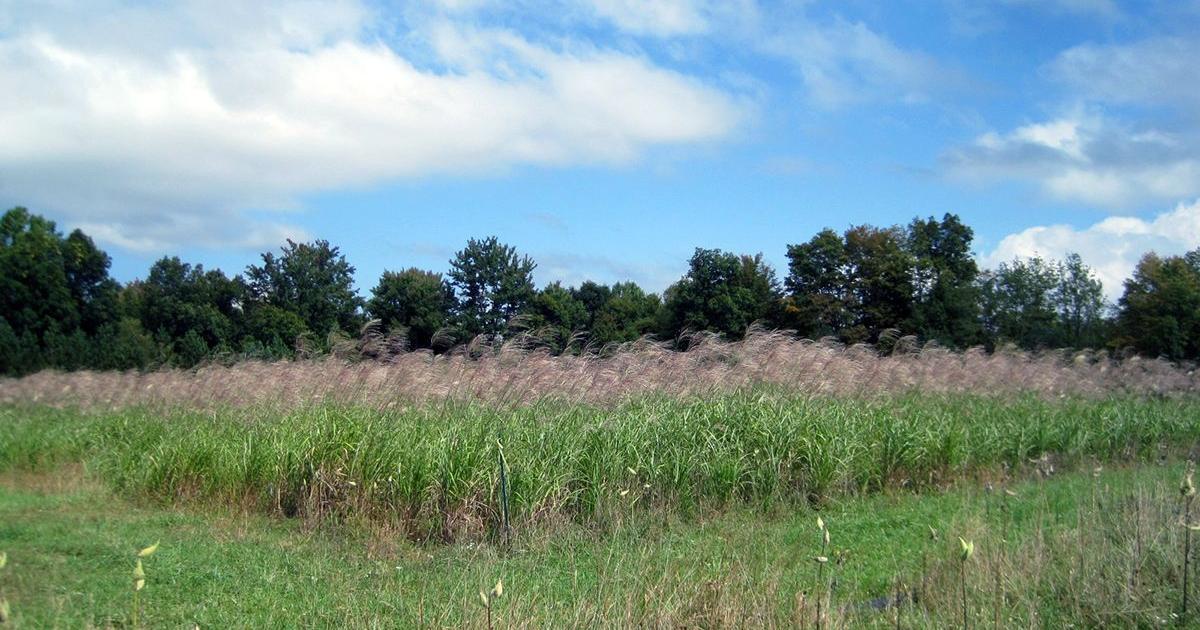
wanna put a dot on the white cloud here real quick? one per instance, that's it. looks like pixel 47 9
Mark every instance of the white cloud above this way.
pixel 1084 158
pixel 655 17
pixel 157 126
pixel 844 63
pixel 1111 247
pixel 574 268
pixel 1158 71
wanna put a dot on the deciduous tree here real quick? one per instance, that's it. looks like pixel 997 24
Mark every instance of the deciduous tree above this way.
pixel 312 280
pixel 415 301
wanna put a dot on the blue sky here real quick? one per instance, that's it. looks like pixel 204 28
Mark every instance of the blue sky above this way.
pixel 605 138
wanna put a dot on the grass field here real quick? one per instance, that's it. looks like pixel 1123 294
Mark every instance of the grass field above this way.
pixel 433 471
pixel 1076 548
pixel 651 510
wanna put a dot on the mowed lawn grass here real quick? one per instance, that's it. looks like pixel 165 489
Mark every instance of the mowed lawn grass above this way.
pixel 1048 552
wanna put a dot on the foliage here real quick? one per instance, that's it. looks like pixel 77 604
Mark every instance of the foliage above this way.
pixel 312 280
pixel 627 314
pixel 60 309
pixel 945 294
pixel 722 293
pixel 1018 303
pixel 880 281
pixel 190 311
pixel 55 295
pixel 413 301
pixel 1080 305
pixel 492 284
pixel 919 280
pixel 594 296
pixel 1036 303
pixel 1160 310
pixel 556 315
pixel 818 273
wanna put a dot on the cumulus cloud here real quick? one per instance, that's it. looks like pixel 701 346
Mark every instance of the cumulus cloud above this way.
pixel 1111 247
pixel 161 125
pixel 1090 154
pixel 1084 158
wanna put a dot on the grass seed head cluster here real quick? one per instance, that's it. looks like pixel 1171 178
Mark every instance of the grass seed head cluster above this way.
pixel 518 374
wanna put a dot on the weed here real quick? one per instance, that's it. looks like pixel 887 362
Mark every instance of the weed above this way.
pixel 139 581
pixel 489 598
pixel 968 549
pixel 5 610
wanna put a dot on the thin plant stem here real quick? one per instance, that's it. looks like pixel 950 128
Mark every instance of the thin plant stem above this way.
pixel 962 579
pixel 1187 551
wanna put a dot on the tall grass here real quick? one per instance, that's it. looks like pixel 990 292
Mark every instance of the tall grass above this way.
pixel 433 468
pixel 520 374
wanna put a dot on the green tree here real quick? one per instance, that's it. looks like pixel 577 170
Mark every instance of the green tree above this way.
pixel 879 281
pixel 628 314
pixel 1081 307
pixel 722 293
pixel 189 310
pixel 594 296
pixel 556 315
pixel 35 296
pixel 270 332
pixel 55 295
pixel 415 301
pixel 817 285
pixel 945 292
pixel 1019 303
pixel 312 280
pixel 492 284
pixel 125 345
pixel 1160 309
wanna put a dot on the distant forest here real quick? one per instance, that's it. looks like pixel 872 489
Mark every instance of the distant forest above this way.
pixel 60 309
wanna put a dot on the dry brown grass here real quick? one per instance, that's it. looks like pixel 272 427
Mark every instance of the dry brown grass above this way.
pixel 518 373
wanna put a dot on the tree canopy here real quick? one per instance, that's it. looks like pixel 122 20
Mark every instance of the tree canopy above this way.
pixel 59 308
pixel 492 284
pixel 415 302
pixel 312 280
pixel 1160 311
pixel 721 292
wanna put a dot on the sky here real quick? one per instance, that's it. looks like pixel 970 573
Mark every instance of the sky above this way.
pixel 607 139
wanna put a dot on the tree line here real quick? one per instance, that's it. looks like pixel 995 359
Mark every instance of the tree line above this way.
pixel 60 309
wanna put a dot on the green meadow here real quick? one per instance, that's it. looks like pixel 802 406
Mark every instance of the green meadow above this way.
pixel 654 512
